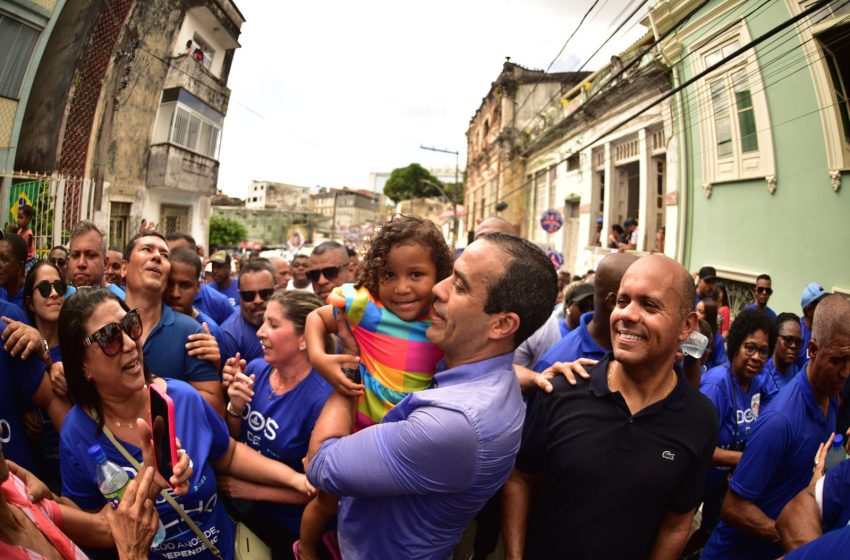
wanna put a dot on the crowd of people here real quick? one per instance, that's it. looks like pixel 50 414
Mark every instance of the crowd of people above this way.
pixel 381 403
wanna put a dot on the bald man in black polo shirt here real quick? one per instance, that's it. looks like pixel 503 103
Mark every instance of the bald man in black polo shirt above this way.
pixel 622 457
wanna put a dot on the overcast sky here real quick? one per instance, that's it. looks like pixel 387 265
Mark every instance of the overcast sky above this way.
pixel 323 93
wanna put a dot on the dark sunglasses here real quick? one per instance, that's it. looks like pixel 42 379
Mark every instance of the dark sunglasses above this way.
pixel 44 288
pixel 791 340
pixel 249 295
pixel 110 337
pixel 329 272
pixel 58 262
pixel 767 291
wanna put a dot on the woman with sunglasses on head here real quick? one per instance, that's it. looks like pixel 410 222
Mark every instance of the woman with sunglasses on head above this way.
pixel 44 293
pixel 738 389
pixel 106 376
pixel 781 367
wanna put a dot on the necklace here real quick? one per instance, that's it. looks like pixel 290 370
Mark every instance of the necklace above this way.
pixel 130 425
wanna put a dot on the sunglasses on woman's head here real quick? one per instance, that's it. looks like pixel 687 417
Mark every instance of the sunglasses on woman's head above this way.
pixel 110 337
pixel 44 287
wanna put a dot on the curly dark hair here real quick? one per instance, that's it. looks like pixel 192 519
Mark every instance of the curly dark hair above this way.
pixel 745 324
pixel 402 229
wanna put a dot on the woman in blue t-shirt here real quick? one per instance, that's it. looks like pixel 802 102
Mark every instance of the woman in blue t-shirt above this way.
pixel 44 294
pixel 738 389
pixel 101 345
pixel 274 404
pixel 782 367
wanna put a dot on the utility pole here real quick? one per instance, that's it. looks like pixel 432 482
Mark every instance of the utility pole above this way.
pixel 452 198
pixel 333 216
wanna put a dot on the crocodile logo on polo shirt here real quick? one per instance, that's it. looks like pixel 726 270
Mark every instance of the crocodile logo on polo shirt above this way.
pixel 669 455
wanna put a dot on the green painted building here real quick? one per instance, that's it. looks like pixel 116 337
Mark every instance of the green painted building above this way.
pixel 764 140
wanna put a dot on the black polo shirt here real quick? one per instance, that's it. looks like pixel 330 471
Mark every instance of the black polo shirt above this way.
pixel 610 476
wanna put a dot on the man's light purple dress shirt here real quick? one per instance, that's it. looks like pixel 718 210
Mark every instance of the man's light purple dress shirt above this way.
pixel 410 485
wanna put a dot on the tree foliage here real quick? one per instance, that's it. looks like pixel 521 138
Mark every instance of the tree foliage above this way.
pixel 413 181
pixel 226 233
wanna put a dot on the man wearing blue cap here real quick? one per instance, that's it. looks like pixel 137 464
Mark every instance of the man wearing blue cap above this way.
pixel 812 294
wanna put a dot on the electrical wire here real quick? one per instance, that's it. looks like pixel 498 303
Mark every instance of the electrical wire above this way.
pixel 781 27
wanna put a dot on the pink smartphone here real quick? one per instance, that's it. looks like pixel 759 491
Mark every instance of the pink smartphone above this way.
pixel 162 426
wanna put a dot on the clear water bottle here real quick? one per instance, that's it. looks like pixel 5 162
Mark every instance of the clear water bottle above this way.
pixel 112 480
pixel 835 454
pixel 695 345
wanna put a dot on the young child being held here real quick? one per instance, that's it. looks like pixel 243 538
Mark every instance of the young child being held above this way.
pixel 387 310
pixel 25 216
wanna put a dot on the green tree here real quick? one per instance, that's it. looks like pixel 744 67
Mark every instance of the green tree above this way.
pixel 413 181
pixel 225 232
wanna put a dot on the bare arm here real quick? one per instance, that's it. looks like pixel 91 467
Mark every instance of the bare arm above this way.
pixel 336 420
pixel 747 516
pixel 672 535
pixel 211 391
pixel 516 504
pixel 243 462
pixel 800 520
pixel 245 489
pixel 56 407
pixel 725 458
pixel 87 529
pixel 320 323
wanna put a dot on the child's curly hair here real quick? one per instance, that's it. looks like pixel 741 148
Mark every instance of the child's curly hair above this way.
pixel 402 229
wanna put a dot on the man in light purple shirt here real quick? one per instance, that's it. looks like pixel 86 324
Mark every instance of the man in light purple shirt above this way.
pixel 410 485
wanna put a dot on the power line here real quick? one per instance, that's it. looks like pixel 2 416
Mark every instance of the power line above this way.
pixel 557 56
pixel 774 31
pixel 649 47
pixel 611 36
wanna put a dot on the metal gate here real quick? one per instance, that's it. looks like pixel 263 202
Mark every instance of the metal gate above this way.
pixel 59 202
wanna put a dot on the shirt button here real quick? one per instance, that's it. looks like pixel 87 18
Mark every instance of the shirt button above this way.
pixel 631 420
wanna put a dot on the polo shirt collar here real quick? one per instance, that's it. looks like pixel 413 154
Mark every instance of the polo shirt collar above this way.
pixel 599 385
pixel 165 320
pixel 472 372
pixel 587 345
pixel 812 408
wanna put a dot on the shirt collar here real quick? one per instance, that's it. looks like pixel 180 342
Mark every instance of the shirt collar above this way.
pixel 167 318
pixel 588 345
pixel 471 372
pixel 599 385
pixel 812 407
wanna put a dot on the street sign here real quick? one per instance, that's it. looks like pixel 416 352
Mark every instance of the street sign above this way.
pixel 551 221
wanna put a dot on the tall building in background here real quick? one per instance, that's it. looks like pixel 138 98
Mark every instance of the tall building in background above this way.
pixel 495 172
pixel 127 99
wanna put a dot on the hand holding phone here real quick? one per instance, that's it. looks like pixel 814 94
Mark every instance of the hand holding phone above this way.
pixel 162 427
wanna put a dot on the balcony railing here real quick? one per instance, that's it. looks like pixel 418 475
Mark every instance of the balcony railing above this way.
pixel 174 168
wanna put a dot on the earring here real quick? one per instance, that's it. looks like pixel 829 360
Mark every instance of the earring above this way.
pixel 302 347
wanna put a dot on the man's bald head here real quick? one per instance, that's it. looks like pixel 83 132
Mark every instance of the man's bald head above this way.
pixel 607 279
pixel 494 224
pixel 832 318
pixel 682 282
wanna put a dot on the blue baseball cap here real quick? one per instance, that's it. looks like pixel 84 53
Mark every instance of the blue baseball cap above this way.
pixel 812 293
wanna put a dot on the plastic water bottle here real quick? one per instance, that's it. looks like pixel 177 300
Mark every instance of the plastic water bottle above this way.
pixel 112 481
pixel 695 345
pixel 835 454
